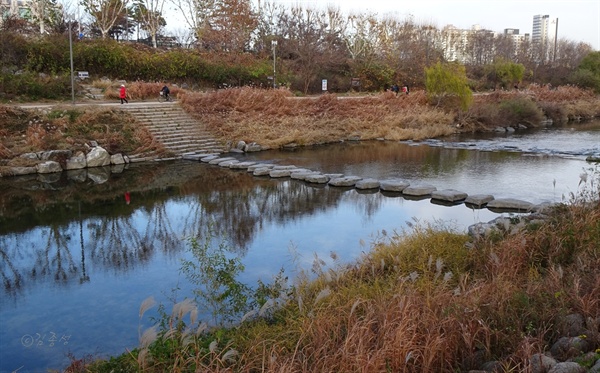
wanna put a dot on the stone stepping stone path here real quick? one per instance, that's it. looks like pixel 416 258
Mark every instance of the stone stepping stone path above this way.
pixel 388 187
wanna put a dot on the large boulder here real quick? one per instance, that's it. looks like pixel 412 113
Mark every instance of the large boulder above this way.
pixel 76 162
pixel 55 155
pixel 48 167
pixel 97 157
pixel 117 159
pixel 540 363
pixel 567 367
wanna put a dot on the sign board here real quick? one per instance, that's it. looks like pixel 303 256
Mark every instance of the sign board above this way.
pixel 324 84
pixel 83 74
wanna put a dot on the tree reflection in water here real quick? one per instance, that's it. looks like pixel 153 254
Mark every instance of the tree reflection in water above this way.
pixel 180 203
pixel 11 277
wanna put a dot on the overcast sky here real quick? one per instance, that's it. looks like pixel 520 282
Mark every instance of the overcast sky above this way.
pixel 578 20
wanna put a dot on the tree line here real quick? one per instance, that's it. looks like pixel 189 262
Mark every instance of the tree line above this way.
pixel 305 45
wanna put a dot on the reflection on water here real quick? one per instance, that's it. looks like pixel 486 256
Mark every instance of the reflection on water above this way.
pixel 78 260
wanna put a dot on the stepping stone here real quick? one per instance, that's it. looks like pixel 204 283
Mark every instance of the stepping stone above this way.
pixel 280 167
pixel 301 175
pixel 449 195
pixel 241 165
pixel 419 190
pixel 346 181
pixel 393 185
pixel 510 205
pixel 264 171
pixel 192 157
pixel 219 160
pixel 317 178
pixel 228 163
pixel 478 200
pixel 208 158
pixel 260 165
pixel 280 173
pixel 367 184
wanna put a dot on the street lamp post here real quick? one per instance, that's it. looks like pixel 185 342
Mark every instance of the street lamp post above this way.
pixel 71 57
pixel 273 45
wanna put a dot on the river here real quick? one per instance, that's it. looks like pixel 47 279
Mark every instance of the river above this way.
pixel 80 254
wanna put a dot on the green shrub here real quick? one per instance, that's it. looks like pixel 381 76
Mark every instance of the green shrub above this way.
pixel 520 110
pixel 34 87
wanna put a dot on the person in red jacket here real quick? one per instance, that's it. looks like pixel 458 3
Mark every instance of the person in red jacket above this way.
pixel 123 94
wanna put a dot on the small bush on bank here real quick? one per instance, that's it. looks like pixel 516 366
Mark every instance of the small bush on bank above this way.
pixel 520 110
pixel 32 86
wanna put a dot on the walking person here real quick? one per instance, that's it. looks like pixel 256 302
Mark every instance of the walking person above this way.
pixel 123 94
pixel 166 92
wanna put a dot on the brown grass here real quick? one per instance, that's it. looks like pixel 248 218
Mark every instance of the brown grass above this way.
pixel 397 311
pixel 276 118
pixel 64 128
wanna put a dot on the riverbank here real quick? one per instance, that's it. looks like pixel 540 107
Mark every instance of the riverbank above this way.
pixel 273 119
pixel 428 299
pixel 424 300
pixel 276 119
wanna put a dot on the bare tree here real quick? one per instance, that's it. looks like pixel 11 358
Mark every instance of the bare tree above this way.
pixel 149 15
pixel 360 37
pixel 309 44
pixel 266 31
pixel 45 13
pixel 195 12
pixel 105 13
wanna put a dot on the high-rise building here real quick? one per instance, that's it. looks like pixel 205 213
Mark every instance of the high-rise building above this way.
pixel 544 34
pixel 517 38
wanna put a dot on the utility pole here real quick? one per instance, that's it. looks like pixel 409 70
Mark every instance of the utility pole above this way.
pixel 71 56
pixel 274 45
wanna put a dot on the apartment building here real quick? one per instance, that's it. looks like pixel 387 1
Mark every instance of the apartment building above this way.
pixel 544 35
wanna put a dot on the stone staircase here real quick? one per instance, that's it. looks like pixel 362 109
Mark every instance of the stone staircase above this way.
pixel 179 132
pixel 92 93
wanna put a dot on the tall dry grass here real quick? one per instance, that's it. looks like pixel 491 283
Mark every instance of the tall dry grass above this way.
pixel 275 118
pixel 405 308
pixel 67 128
pixel 427 299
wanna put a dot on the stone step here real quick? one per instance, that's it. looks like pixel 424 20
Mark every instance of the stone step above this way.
pixel 176 130
pixel 177 142
pixel 173 125
pixel 180 131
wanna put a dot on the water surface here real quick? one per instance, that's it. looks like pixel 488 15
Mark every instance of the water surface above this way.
pixel 77 260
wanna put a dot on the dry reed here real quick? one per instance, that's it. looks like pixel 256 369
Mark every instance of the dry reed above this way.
pixel 274 118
